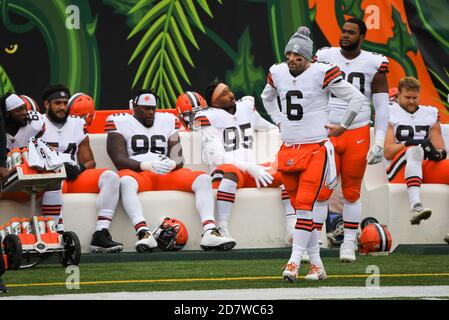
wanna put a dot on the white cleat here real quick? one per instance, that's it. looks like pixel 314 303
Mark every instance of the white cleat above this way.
pixel 224 231
pixel 316 273
pixel 347 252
pixel 214 240
pixel 290 273
pixel 419 213
pixel 305 258
pixel 146 242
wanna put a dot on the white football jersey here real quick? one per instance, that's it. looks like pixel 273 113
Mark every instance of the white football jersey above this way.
pixel 417 125
pixel 236 131
pixel 304 101
pixel 67 138
pixel 359 72
pixel 143 144
pixel 35 127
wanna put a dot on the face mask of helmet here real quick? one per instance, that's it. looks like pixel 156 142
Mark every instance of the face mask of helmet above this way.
pixel 171 235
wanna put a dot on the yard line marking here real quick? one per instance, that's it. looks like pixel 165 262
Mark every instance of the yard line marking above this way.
pixel 341 276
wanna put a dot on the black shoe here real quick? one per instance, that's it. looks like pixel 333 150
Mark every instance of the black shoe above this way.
pixel 102 243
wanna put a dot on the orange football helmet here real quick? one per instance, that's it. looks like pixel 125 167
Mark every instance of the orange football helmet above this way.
pixel 393 94
pixel 82 105
pixel 374 238
pixel 187 105
pixel 30 103
pixel 171 235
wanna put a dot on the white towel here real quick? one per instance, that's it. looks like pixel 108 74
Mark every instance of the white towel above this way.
pixel 52 159
pixel 330 180
pixel 35 158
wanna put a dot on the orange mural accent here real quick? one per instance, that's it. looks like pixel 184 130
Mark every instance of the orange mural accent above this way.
pixel 386 23
pixel 327 21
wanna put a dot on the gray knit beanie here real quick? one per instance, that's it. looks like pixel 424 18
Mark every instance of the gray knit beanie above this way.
pixel 300 43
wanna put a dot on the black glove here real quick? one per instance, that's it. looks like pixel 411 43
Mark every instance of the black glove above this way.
pixel 73 171
pixel 430 152
pixel 437 155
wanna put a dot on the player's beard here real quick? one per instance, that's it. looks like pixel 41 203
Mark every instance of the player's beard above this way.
pixel 18 122
pixel 232 108
pixel 54 118
pixel 351 47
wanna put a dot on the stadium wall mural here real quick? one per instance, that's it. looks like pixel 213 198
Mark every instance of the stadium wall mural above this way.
pixel 111 48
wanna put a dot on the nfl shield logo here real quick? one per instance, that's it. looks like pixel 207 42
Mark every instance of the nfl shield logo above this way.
pixel 290 162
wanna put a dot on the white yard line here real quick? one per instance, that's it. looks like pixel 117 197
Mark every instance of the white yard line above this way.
pixel 258 294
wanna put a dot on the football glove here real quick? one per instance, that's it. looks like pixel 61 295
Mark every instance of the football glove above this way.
pixel 161 165
pixel 376 153
pixel 260 175
pixel 73 171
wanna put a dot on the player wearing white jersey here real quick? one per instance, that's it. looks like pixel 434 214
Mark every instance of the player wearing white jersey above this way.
pixel 20 126
pixel 145 147
pixel 414 146
pixel 68 135
pixel 305 157
pixel 227 134
pixel 367 72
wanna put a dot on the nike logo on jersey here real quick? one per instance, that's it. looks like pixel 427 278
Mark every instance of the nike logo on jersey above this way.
pixel 360 141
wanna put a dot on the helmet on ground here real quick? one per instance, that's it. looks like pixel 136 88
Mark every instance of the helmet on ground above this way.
pixel 374 238
pixel 187 105
pixel 82 105
pixel 171 234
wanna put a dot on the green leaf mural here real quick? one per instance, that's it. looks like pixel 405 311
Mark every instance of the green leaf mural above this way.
pixel 444 95
pixel 284 18
pixel 246 77
pixel 163 47
pixel 5 83
pixel 123 7
pixel 433 18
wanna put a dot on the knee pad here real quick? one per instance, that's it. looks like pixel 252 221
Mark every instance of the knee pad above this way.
pixel 109 177
pixel 203 181
pixel 414 153
pixel 351 195
pixel 128 183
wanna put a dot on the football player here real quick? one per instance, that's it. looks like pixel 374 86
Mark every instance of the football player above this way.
pixel 146 148
pixel 227 134
pixel 414 146
pixel 20 125
pixel 68 135
pixel 306 156
pixel 367 72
